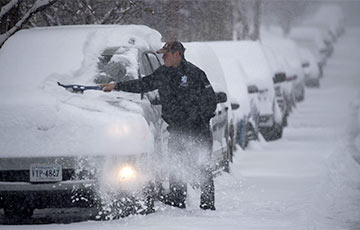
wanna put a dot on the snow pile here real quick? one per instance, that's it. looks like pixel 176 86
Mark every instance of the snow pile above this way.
pixel 235 79
pixel 35 110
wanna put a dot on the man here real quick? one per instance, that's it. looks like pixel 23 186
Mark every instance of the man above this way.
pixel 188 103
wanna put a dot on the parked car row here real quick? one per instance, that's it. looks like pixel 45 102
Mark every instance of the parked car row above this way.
pixel 108 151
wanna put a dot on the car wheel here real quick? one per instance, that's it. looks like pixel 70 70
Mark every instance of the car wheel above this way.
pixel 285 121
pixel 228 159
pixel 272 133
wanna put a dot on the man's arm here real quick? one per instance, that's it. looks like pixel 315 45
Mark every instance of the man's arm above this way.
pixel 207 97
pixel 143 85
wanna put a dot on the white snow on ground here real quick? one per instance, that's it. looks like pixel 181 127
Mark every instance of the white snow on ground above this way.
pixel 306 180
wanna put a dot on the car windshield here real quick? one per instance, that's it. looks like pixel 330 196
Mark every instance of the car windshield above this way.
pixel 117 64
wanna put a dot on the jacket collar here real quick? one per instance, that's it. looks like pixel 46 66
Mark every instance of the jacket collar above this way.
pixel 180 68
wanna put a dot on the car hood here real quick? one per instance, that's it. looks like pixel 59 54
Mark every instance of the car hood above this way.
pixel 71 124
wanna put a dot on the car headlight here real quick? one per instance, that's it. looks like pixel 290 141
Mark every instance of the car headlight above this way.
pixel 118 130
pixel 126 173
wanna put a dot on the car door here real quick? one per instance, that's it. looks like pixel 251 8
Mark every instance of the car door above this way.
pixel 149 62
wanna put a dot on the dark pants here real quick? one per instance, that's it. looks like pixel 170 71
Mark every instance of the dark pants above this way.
pixel 190 152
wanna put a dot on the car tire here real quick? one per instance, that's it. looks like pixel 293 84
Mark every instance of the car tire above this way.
pixel 272 133
pixel 285 121
pixel 241 133
pixel 228 160
pixel 317 83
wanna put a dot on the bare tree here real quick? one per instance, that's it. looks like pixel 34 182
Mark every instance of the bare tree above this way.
pixel 286 13
pixel 79 12
pixel 241 29
pixel 5 9
pixel 36 7
pixel 257 20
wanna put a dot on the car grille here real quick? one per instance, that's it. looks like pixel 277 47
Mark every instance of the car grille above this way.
pixel 24 175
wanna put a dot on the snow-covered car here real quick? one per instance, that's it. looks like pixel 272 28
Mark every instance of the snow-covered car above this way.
pixel 250 56
pixel 289 50
pixel 282 87
pixel 247 123
pixel 312 38
pixel 222 124
pixel 311 68
pixel 332 15
pixel 247 117
pixel 60 149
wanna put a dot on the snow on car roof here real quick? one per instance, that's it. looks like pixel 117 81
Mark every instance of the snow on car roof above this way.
pixel 196 52
pixel 65 50
pixel 236 83
pixel 308 33
pixel 251 57
pixel 288 49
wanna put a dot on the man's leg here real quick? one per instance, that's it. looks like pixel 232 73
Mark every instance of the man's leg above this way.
pixel 178 192
pixel 207 197
pixel 178 189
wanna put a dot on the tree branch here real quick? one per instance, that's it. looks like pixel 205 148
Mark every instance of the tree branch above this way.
pixel 38 6
pixel 8 7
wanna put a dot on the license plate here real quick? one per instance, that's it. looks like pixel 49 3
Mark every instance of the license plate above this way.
pixel 45 173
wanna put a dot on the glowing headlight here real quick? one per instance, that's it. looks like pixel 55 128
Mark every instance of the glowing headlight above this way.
pixel 126 173
pixel 118 130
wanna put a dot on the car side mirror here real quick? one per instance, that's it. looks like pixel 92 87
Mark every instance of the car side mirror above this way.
pixel 235 106
pixel 221 97
pixel 279 77
pixel 252 89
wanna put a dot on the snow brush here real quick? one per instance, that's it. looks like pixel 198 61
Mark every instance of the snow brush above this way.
pixel 79 88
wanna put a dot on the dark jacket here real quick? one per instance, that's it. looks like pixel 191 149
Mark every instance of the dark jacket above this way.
pixel 186 96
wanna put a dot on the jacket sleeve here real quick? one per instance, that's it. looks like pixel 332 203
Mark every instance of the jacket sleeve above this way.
pixel 207 97
pixel 143 85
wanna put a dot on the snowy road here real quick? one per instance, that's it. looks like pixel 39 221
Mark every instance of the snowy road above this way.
pixel 307 180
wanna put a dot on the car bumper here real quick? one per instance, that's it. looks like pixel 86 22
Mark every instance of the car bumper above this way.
pixel 50 195
pixel 63 185
pixel 55 199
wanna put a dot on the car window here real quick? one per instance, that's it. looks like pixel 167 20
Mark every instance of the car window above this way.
pixel 116 65
pixel 146 70
pixel 154 61
pixel 150 63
